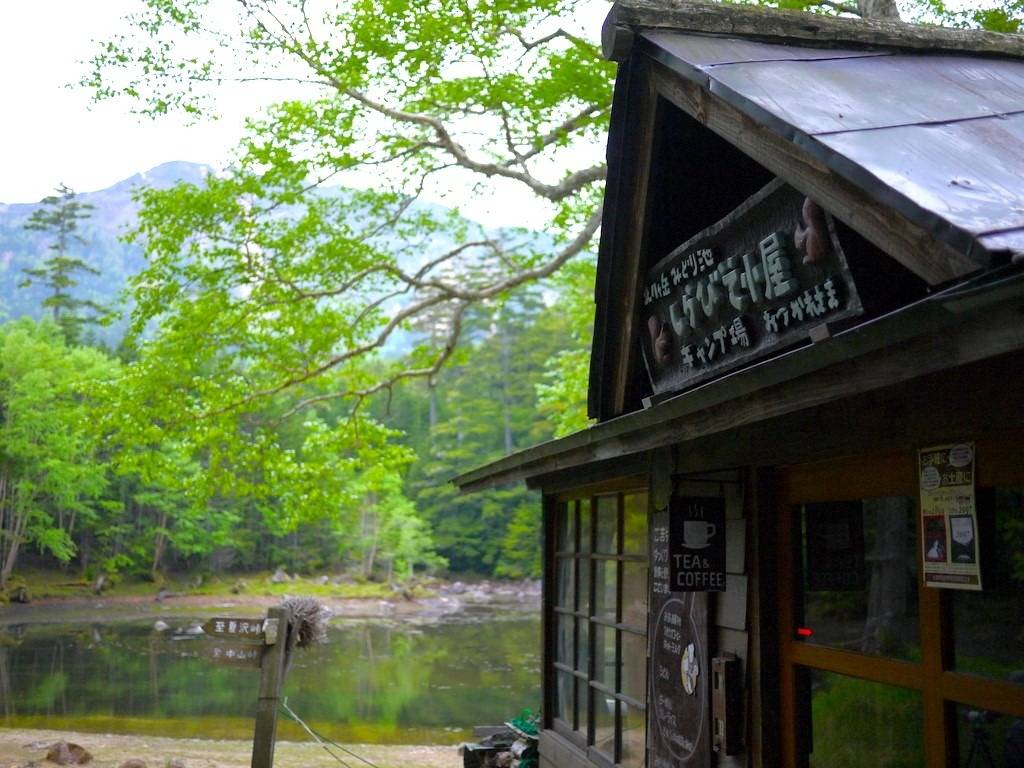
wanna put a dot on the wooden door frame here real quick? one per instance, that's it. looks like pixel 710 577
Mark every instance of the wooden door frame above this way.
pixel 887 473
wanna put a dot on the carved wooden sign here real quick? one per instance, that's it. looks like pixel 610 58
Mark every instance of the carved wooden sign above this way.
pixel 757 281
pixel 235 628
pixel 233 654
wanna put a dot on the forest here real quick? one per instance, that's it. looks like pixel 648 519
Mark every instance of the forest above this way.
pixel 255 414
pixel 78 490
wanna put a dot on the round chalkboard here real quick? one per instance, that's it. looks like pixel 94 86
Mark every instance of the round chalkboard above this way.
pixel 679 680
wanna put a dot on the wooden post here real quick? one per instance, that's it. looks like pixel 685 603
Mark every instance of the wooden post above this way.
pixel 272 670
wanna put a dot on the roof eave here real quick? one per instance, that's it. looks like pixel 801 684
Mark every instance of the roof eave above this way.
pixel 632 432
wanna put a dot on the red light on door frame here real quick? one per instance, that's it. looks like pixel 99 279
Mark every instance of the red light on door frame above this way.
pixel 804 632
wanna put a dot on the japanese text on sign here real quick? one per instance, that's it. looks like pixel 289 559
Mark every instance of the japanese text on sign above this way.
pixel 242 629
pixel 949 520
pixel 745 285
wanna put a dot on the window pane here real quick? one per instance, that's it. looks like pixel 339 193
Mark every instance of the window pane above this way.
pixel 634 595
pixel 987 624
pixel 605 662
pixel 634 524
pixel 634 666
pixel 563 651
pixel 604 722
pixel 567 527
pixel 583 604
pixel 585 529
pixel 860 575
pixel 565 694
pixel 605 578
pixel 582 688
pixel 860 724
pixel 583 645
pixel 634 735
pixel 607 525
pixel 989 738
pixel 566 582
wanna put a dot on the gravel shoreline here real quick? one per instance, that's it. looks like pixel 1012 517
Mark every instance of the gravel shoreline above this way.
pixel 21 748
pixel 523 596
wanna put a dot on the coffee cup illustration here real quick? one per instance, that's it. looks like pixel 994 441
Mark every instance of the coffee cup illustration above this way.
pixel 697 534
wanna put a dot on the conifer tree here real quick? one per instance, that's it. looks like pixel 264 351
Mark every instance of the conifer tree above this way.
pixel 59 216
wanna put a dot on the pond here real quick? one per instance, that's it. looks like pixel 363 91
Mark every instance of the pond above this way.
pixel 397 682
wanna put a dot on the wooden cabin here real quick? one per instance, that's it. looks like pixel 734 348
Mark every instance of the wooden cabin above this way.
pixel 794 534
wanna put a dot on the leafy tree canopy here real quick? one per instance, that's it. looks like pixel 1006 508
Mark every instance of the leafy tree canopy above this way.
pixel 272 300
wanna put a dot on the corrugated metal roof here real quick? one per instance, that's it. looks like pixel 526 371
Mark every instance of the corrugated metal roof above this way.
pixel 940 137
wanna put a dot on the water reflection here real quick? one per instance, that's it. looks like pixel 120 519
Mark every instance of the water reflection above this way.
pixel 371 683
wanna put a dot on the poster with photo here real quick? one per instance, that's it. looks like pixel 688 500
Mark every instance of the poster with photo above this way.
pixel 949 519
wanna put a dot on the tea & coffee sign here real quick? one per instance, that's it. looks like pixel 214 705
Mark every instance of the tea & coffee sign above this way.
pixel 696 544
pixel 757 281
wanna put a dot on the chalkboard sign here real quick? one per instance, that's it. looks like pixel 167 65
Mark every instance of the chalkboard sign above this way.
pixel 679 719
pixel 697 544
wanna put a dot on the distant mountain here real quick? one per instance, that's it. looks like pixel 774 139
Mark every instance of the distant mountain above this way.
pixel 115 211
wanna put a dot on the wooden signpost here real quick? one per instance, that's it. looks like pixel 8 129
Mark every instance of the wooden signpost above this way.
pixel 264 643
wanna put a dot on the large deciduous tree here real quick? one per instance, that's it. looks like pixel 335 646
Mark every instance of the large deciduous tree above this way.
pixel 264 286
pixel 51 472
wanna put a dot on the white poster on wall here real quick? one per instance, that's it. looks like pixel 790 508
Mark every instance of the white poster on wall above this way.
pixel 949 518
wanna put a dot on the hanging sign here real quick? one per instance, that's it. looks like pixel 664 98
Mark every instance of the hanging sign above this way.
pixel 697 544
pixel 679 720
pixel 758 280
pixel 949 519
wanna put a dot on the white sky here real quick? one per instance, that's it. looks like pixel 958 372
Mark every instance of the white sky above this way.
pixel 48 134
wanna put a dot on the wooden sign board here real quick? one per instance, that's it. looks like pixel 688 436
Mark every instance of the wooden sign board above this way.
pixel 680 717
pixel 236 628
pixel 262 643
pixel 233 654
pixel 754 283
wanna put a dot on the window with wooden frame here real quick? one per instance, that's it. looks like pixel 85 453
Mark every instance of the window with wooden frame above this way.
pixel 878 669
pixel 599 623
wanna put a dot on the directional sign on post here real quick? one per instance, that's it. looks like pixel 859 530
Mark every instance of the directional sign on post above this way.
pixel 233 654
pixel 235 628
pixel 266 644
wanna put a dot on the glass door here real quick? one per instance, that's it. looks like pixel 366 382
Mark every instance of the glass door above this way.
pixel 877 669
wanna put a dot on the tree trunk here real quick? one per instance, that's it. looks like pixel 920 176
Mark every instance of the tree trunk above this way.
pixel 369 521
pixel 878 9
pixel 4 521
pixel 18 524
pixel 505 375
pixel 432 414
pixel 889 576
pixel 159 545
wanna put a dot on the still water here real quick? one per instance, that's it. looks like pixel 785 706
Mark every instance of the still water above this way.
pixel 372 682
